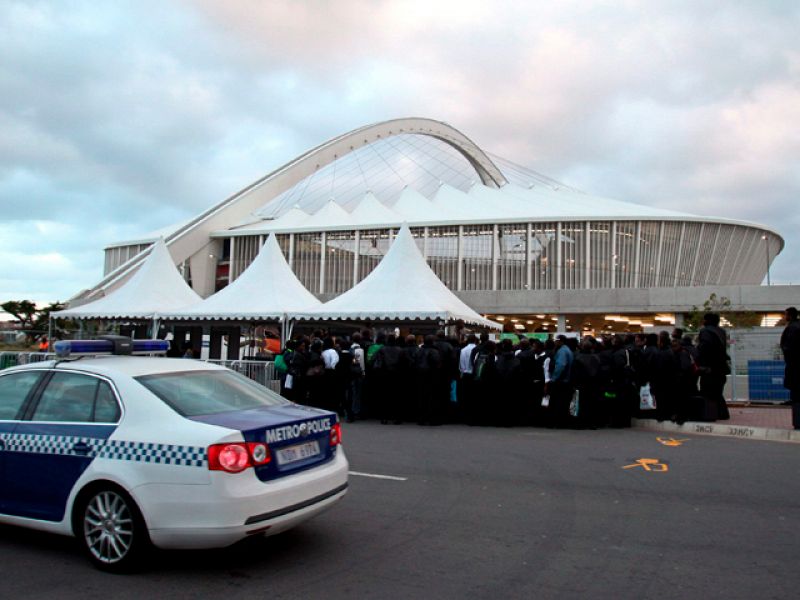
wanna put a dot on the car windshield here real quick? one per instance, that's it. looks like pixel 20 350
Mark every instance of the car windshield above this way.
pixel 196 393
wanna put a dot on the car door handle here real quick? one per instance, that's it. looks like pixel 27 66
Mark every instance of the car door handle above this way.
pixel 81 448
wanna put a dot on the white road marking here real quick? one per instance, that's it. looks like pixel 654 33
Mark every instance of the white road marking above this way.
pixel 376 476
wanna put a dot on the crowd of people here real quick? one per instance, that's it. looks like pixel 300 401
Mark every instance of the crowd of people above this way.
pixel 561 382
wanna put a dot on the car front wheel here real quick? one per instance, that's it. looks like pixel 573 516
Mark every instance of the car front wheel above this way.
pixel 112 530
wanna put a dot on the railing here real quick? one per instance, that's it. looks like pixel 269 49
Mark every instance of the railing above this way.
pixel 260 371
pixel 11 359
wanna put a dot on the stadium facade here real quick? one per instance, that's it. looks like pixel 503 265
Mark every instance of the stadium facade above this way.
pixel 510 242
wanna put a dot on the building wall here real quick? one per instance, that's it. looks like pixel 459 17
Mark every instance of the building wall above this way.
pixel 536 256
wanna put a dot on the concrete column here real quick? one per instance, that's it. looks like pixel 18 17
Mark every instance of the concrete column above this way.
pixel 203 265
pixel 291 251
pixel 234 342
pixel 559 258
pixel 528 257
pixel 679 319
pixel 232 271
pixel 460 259
pixel 614 256
pixel 495 253
pixel 322 260
pixel 356 256
pixel 587 237
pixel 561 324
pixel 658 257
pixel 425 242
pixel 678 262
pixel 196 339
pixel 637 254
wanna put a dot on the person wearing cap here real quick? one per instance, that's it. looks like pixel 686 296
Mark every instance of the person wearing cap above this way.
pixel 790 345
pixel 559 387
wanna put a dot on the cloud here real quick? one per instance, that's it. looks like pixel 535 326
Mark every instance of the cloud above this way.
pixel 121 118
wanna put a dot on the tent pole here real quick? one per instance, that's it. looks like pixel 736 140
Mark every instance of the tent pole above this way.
pixel 154 330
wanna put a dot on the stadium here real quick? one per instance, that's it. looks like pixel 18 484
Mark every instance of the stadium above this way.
pixel 513 244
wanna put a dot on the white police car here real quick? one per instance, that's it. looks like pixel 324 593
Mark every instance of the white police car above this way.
pixel 125 451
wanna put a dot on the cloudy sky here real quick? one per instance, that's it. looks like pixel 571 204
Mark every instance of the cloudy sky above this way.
pixel 119 118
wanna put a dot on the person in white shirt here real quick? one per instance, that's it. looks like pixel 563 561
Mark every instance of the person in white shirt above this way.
pixel 466 385
pixel 465 358
pixel 329 354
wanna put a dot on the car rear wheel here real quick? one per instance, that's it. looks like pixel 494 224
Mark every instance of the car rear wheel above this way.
pixel 112 530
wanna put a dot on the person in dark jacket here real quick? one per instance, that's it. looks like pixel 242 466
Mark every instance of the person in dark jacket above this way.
pixel 790 346
pixel 315 375
pixel 560 385
pixel 485 380
pixel 506 407
pixel 408 387
pixel 298 366
pixel 712 358
pixel 623 384
pixel 427 370
pixel 386 370
pixel 529 371
pixel 685 384
pixel 448 374
pixel 586 379
pixel 664 380
pixel 687 343
pixel 537 390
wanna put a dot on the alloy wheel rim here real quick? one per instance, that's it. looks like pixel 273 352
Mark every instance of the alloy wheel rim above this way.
pixel 108 527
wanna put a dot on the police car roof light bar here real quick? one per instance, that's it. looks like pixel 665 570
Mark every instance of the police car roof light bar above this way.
pixel 67 348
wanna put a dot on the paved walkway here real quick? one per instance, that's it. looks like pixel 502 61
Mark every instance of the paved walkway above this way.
pixel 752 422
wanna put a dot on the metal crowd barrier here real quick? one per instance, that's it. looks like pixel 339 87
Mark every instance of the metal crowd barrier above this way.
pixel 8 359
pixel 260 371
pixel 11 359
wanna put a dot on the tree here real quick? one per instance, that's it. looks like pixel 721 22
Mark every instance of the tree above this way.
pixel 22 310
pixel 42 319
pixel 739 319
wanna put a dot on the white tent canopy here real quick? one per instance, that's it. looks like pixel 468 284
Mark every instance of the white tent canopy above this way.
pixel 401 287
pixel 155 288
pixel 266 290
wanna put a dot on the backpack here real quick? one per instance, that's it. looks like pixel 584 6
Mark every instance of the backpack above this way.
pixel 371 352
pixel 479 366
pixel 356 372
pixel 342 368
pixel 280 364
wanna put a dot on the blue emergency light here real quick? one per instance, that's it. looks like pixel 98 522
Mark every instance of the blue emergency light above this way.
pixel 118 345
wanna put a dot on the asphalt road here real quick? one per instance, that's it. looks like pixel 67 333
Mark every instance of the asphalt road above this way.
pixel 492 513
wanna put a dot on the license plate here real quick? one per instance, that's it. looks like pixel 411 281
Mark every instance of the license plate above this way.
pixel 297 452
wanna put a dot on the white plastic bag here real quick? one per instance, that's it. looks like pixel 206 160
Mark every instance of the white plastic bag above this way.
pixel 546 401
pixel 574 404
pixel 289 382
pixel 646 400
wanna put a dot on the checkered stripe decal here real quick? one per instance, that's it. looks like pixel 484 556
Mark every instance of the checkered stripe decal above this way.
pixel 165 454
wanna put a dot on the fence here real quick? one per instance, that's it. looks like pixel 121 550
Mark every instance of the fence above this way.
pixel 11 359
pixel 756 365
pixel 260 371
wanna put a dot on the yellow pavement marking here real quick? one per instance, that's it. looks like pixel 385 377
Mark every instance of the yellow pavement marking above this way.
pixel 648 464
pixel 672 441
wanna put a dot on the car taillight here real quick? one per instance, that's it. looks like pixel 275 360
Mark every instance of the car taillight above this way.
pixel 336 435
pixel 235 457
